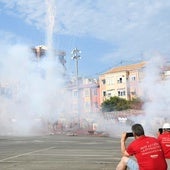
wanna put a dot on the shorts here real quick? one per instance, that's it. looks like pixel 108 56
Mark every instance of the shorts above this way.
pixel 132 164
pixel 168 163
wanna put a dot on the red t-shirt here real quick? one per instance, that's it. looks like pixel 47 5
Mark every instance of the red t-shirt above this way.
pixel 148 153
pixel 164 140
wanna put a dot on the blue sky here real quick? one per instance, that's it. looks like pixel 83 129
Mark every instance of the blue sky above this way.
pixel 108 32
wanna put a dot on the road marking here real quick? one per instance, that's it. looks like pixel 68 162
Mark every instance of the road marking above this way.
pixel 75 155
pixel 28 153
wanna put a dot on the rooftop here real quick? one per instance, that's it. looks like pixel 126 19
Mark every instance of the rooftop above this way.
pixel 126 67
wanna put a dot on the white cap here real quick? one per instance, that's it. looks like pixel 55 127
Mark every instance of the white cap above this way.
pixel 166 126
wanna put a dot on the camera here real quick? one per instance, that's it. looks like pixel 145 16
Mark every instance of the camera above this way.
pixel 160 130
pixel 129 134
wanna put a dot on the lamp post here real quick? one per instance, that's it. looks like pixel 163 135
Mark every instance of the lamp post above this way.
pixel 76 56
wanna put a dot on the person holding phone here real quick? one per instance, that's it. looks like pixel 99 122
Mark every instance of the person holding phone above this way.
pixel 147 151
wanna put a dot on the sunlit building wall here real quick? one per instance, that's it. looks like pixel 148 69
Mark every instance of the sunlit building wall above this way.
pixel 121 81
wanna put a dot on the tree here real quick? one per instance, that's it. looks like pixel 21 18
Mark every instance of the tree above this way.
pixel 115 104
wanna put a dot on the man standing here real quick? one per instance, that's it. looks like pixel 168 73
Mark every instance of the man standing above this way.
pixel 147 151
pixel 164 139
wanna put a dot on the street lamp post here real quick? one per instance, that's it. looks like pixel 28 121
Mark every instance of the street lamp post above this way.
pixel 76 56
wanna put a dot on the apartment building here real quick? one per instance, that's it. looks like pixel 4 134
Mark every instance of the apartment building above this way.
pixel 121 81
pixel 84 96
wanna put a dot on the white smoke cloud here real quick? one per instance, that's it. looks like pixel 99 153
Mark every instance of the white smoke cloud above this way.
pixel 31 92
pixel 133 27
pixel 155 94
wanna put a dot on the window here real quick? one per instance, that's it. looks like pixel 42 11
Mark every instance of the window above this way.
pixel 104 81
pixel 109 94
pixel 7 92
pixel 121 93
pixel 133 78
pixel 119 80
pixel 75 93
pixel 104 93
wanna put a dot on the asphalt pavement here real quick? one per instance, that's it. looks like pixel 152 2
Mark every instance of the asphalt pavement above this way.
pixel 59 152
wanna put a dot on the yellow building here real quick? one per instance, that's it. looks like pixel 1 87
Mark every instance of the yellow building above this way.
pixel 121 81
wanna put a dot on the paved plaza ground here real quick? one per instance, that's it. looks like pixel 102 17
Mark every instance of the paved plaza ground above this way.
pixel 59 152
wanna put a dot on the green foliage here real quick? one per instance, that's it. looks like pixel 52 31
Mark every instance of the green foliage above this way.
pixel 115 104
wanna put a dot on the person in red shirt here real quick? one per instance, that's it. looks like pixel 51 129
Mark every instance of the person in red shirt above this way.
pixel 164 139
pixel 147 151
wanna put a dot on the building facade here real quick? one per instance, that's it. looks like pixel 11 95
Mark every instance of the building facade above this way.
pixel 84 96
pixel 121 81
